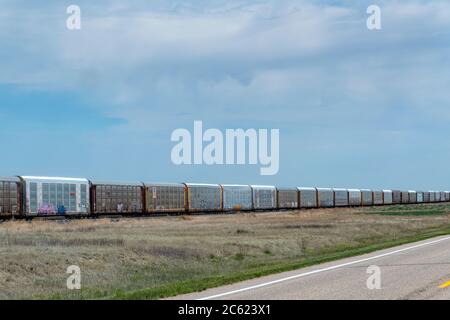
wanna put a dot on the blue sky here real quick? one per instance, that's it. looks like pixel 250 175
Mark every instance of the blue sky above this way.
pixel 355 108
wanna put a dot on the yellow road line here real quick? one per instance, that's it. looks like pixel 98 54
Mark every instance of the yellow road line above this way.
pixel 445 285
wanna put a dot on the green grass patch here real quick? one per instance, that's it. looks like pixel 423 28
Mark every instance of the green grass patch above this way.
pixel 409 210
pixel 188 286
pixel 410 213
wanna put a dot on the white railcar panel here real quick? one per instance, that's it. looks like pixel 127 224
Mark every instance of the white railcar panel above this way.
pixel 264 197
pixel 237 197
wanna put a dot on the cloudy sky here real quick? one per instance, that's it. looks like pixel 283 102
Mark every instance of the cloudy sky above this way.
pixel 355 108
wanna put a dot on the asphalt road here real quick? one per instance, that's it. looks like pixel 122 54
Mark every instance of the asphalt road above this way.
pixel 414 271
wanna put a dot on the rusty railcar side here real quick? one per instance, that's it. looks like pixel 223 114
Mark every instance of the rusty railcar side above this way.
pixel 287 198
pixel 165 197
pixel 396 196
pixel 108 197
pixel 412 195
pixel 404 197
pixel 10 196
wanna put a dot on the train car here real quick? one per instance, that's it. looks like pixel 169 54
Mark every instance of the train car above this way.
pixel 396 196
pixel 108 197
pixel 412 195
pixel 287 198
pixel 377 197
pixel 264 197
pixel 203 197
pixel 432 196
pixel 447 196
pixel 404 197
pixel 308 197
pixel 340 197
pixel 236 197
pixel 354 197
pixel 48 196
pixel 165 197
pixel 426 196
pixel 437 196
pixel 420 197
pixel 366 197
pixel 10 196
pixel 387 197
pixel 325 197
pixel 442 196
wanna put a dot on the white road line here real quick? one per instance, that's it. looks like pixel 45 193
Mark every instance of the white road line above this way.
pixel 323 270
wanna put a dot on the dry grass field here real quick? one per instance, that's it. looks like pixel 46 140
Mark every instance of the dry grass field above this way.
pixel 157 257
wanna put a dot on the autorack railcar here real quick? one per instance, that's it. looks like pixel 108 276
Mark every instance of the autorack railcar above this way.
pixel 204 197
pixel 110 197
pixel 354 197
pixel 437 196
pixel 432 196
pixel 377 197
pixel 412 195
pixel 404 197
pixel 236 197
pixel 165 197
pixel 396 196
pixel 10 196
pixel 387 196
pixel 366 197
pixel 287 198
pixel 325 197
pixel 420 197
pixel 44 196
pixel 264 197
pixel 308 197
pixel 340 197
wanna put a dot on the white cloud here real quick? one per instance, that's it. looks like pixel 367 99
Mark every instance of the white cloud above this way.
pixel 310 68
pixel 263 61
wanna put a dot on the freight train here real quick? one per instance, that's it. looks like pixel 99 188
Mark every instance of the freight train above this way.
pixel 28 196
